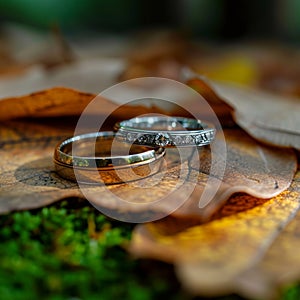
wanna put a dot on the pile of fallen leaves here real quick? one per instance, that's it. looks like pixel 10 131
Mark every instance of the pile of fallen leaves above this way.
pixel 247 241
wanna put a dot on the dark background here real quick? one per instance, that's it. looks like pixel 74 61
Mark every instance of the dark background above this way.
pixel 209 19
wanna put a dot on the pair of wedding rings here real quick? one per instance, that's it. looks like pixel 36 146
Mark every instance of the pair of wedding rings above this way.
pixel 140 144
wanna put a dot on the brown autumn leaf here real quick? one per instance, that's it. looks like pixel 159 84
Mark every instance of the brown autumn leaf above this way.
pixel 91 75
pixel 252 168
pixel 50 103
pixel 280 265
pixel 30 181
pixel 220 107
pixel 230 254
pixel 27 177
pixel 75 75
pixel 59 101
pixel 267 117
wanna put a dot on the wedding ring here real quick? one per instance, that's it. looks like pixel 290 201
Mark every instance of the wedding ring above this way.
pixel 93 162
pixel 165 131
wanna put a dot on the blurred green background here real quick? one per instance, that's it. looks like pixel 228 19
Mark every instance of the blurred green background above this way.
pixel 215 19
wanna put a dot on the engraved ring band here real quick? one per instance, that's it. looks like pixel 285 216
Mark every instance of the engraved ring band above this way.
pixel 165 131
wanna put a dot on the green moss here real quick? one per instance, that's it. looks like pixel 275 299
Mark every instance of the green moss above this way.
pixel 71 251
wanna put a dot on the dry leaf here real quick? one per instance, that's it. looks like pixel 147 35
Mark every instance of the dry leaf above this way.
pixel 221 108
pixel 27 177
pixel 214 258
pixel 58 102
pixel 252 168
pixel 50 103
pixel 267 117
pixel 30 181
pixel 280 265
pixel 90 75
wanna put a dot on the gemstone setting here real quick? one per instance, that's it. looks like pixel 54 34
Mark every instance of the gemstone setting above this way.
pixel 145 139
pixel 162 139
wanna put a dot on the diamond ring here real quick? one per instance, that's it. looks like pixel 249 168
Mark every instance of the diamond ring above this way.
pixel 88 159
pixel 163 131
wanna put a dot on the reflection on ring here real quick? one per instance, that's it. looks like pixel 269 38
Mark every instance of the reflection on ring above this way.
pixel 87 159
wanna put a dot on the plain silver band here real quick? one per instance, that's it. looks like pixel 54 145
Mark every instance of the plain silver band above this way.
pixel 140 131
pixel 88 169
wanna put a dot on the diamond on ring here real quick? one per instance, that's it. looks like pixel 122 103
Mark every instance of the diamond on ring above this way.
pixel 143 131
pixel 162 139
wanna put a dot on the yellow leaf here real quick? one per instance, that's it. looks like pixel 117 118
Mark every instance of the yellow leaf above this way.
pixel 238 68
pixel 211 258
